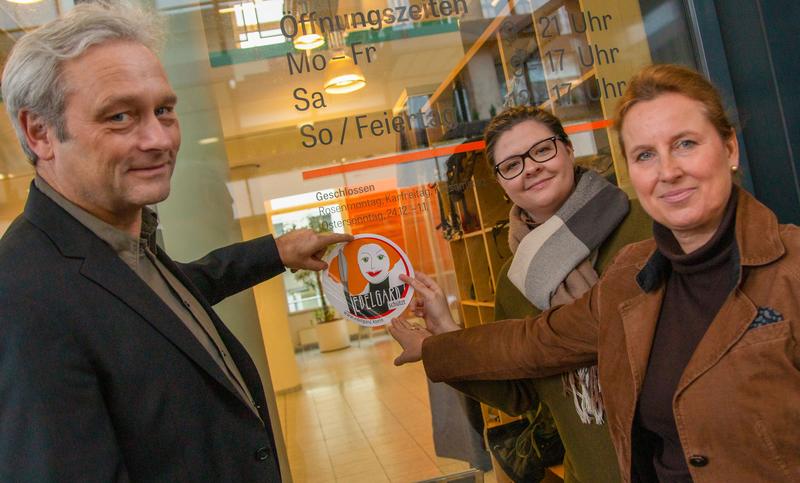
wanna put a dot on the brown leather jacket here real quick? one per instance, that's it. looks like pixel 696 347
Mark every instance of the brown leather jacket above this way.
pixel 737 406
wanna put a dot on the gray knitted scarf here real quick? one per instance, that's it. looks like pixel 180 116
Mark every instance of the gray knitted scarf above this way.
pixel 554 264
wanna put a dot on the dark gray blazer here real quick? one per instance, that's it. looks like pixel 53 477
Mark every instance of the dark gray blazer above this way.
pixel 100 381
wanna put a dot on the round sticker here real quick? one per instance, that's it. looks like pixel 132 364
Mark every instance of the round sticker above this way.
pixel 363 280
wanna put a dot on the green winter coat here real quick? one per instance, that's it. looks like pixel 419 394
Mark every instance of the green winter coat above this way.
pixel 590 456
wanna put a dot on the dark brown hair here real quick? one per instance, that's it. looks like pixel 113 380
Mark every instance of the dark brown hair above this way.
pixel 512 116
pixel 655 80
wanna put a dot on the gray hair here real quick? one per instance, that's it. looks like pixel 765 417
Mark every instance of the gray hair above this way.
pixel 32 77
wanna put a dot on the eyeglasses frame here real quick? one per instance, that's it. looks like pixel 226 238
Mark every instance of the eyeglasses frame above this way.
pixel 527 155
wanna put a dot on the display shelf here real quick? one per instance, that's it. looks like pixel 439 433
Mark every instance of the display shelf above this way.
pixel 497 250
pixel 485 36
pixel 477 233
pixel 487 314
pixel 486 202
pixel 458 250
pixel 469 212
pixel 479 266
pixel 476 303
pixel 471 315
pixel 474 234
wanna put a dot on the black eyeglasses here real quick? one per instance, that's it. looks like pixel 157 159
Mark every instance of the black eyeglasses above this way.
pixel 541 152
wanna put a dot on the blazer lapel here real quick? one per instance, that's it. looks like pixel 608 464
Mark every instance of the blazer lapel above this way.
pixel 107 270
pixel 758 243
pixel 725 330
pixel 639 319
pixel 239 354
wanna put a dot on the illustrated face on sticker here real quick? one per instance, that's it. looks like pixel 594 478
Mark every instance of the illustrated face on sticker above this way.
pixel 373 262
pixel 363 280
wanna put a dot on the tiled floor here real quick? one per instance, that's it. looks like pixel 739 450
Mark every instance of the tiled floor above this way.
pixel 358 418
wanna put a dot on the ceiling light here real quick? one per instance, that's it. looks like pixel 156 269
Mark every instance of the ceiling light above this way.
pixel 307 37
pixel 208 140
pixel 309 41
pixel 24 2
pixel 343 76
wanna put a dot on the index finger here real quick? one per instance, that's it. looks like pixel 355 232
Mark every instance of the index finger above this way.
pixel 427 280
pixel 331 238
pixel 417 284
pixel 421 278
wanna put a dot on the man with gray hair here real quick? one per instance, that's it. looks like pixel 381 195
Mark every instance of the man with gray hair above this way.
pixel 113 365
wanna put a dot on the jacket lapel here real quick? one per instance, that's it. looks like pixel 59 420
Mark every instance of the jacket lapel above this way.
pixel 106 269
pixel 758 243
pixel 725 330
pixel 639 318
pixel 239 354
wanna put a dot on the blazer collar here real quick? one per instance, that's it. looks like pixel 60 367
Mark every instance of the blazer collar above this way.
pixel 67 233
pixel 757 232
pixel 758 242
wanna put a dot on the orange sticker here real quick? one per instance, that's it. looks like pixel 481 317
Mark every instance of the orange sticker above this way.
pixel 363 280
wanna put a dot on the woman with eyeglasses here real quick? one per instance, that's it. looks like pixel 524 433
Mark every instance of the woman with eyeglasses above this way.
pixel 696 332
pixel 565 226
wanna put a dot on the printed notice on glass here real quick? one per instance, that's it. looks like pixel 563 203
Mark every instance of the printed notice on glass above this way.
pixel 363 280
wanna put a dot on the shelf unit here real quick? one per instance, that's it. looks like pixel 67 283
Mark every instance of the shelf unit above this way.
pixel 479 255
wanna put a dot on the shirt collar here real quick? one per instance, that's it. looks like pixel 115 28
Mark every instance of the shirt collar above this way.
pixel 130 249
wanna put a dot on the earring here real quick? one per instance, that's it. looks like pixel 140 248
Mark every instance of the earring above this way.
pixel 734 169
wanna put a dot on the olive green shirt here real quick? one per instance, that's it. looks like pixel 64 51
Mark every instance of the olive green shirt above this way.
pixel 139 254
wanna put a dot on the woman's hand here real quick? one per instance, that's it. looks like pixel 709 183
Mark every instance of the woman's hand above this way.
pixel 410 337
pixel 430 303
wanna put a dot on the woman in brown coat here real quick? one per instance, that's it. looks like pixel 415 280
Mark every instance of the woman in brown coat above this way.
pixel 696 332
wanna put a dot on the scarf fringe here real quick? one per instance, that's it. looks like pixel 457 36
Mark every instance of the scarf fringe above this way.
pixel 584 386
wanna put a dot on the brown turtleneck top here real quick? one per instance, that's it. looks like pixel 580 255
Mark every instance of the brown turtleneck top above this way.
pixel 697 285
